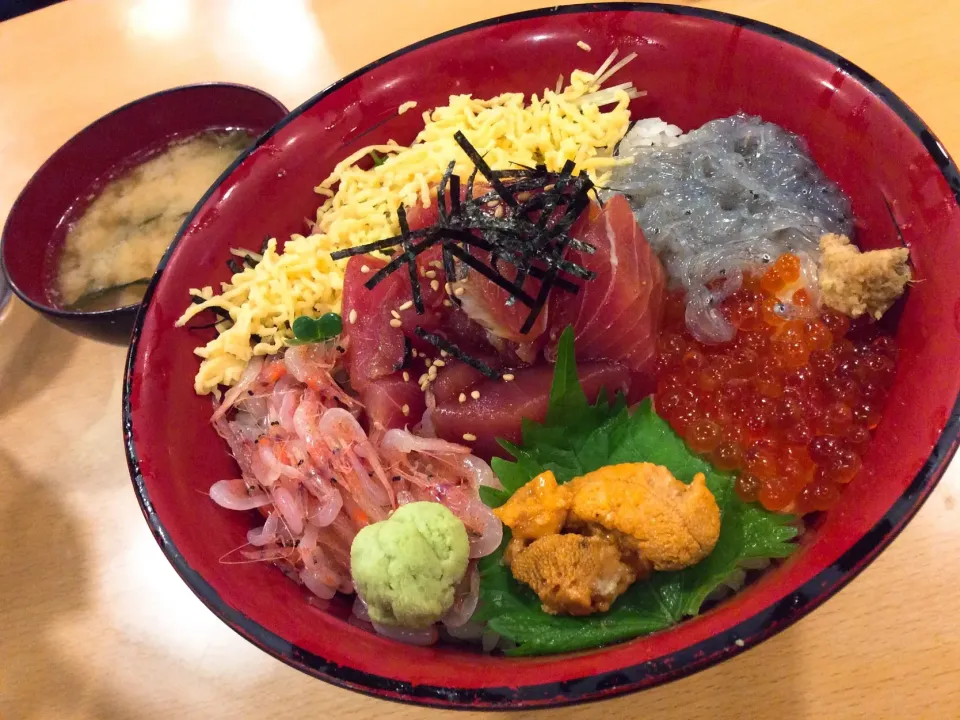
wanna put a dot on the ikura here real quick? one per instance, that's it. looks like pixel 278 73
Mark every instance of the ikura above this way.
pixel 789 403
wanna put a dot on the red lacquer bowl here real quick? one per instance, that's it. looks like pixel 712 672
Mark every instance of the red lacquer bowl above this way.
pixel 62 188
pixel 696 65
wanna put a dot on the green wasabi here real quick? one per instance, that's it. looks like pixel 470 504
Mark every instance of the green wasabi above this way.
pixel 406 568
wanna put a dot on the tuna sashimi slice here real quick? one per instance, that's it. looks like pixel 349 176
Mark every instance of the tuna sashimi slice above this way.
pixel 615 316
pixel 375 349
pixel 386 398
pixel 502 406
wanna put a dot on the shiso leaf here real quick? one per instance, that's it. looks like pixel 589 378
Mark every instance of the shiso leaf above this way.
pixel 576 438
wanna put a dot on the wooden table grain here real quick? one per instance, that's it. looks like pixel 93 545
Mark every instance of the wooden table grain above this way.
pixel 94 624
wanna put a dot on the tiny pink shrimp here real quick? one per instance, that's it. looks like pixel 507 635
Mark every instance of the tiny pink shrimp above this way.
pixel 247 380
pixel 267 533
pixel 355 461
pixel 313 365
pixel 236 495
pixel 290 509
pixel 325 503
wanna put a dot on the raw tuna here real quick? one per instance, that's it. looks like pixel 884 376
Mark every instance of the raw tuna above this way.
pixel 376 348
pixel 459 377
pixel 385 398
pixel 502 405
pixel 615 316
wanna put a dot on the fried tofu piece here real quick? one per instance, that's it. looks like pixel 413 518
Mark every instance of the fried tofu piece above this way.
pixel 670 524
pixel 571 574
pixel 857 283
pixel 537 509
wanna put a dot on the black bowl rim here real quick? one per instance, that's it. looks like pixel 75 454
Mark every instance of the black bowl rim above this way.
pixel 687 661
pixel 94 315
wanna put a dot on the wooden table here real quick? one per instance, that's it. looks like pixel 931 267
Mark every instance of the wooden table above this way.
pixel 93 621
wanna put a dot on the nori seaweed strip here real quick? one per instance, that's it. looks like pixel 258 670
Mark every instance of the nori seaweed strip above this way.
pixel 454 351
pixel 481 165
pixel 234 266
pixel 264 244
pixel 249 261
pixel 399 260
pixel 376 245
pixel 454 195
pixel 450 270
pixel 468 238
pixel 470 181
pixel 442 216
pixel 545 286
pixel 491 275
pixel 411 261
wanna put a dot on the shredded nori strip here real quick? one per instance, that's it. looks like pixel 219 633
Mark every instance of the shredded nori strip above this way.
pixel 481 165
pixel 234 266
pixel 491 275
pixel 264 244
pixel 399 260
pixel 448 347
pixel 454 194
pixel 411 261
pixel 380 245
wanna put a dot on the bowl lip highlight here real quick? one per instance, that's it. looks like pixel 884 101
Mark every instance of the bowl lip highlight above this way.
pixel 134 307
pixel 744 634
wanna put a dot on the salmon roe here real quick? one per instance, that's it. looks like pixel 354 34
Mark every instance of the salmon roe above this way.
pixel 789 404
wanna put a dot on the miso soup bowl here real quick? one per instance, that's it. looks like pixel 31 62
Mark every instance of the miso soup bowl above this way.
pixel 63 187
pixel 695 65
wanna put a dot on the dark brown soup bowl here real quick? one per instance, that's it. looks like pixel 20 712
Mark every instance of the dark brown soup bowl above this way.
pixel 60 191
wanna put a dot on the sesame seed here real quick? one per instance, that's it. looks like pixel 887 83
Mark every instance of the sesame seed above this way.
pixel 447 303
pixel 406 306
pixel 434 285
pixel 364 268
pixel 475 394
pixel 444 353
pixel 413 352
pixel 459 291
pixel 739 642
pixel 439 363
pixel 508 377
pixel 435 263
pixel 498 212
pixel 469 437
pixel 395 314
pixel 395 323
pixel 432 372
pixel 405 409
pixel 423 379
pixel 462 398
pixel 431 274
pixel 353 316
pixel 448 288
pixel 406 376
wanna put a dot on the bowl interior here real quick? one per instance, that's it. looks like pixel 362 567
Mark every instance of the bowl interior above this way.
pixel 695 66
pixel 62 188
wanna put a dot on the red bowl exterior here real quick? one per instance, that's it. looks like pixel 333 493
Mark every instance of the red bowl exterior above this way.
pixel 696 65
pixel 57 193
